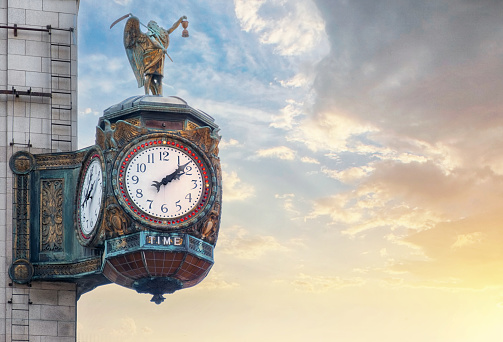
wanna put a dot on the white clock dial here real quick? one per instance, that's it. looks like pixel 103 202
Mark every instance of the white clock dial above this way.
pixel 163 182
pixel 91 194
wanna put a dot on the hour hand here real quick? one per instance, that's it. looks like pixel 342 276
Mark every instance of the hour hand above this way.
pixel 88 195
pixel 174 175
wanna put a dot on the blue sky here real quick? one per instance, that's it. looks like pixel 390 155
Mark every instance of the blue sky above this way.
pixel 362 167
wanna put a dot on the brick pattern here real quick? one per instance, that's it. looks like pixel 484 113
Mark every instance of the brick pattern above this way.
pixel 24 63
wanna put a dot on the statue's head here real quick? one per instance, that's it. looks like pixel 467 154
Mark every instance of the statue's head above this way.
pixel 152 25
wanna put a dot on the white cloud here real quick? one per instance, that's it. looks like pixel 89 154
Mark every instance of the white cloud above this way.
pixel 224 144
pixel 296 27
pixel 286 119
pixel 288 203
pixel 239 242
pixel 350 175
pixel 234 189
pixel 88 111
pixel 281 152
pixel 309 160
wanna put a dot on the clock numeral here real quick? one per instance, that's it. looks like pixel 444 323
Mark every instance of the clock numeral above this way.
pixel 141 167
pixel 150 158
pixel 187 170
pixel 139 193
pixel 189 197
pixel 195 184
pixel 163 156
pixel 135 179
pixel 178 205
pixel 150 205
pixel 164 208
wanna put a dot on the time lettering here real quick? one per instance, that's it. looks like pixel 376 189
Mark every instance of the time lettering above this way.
pixel 164 240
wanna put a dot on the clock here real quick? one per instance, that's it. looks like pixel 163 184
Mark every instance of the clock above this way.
pixel 90 195
pixel 164 182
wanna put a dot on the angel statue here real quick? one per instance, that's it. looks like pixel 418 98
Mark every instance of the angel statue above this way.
pixel 146 51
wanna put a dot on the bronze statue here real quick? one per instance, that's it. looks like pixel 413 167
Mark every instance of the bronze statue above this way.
pixel 146 51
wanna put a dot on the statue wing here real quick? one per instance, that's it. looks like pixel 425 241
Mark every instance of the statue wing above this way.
pixel 135 42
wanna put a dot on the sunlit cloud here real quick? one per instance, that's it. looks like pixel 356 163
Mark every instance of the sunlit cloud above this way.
pixel 286 118
pixel 280 152
pixel 320 284
pixel 234 189
pixel 288 204
pixel 349 175
pixel 228 143
pixel 309 160
pixel 296 28
pixel 216 281
pixel 465 240
pixel 238 242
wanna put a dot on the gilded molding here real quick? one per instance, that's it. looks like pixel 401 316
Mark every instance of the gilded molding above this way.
pixel 60 160
pixel 50 270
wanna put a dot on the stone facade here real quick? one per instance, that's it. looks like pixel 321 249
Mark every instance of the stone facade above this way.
pixel 40 66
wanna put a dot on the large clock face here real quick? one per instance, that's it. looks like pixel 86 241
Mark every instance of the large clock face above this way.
pixel 163 182
pixel 91 193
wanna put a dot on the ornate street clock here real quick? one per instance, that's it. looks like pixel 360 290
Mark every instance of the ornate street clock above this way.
pixel 141 208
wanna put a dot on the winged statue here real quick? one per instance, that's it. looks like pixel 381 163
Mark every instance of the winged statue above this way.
pixel 146 51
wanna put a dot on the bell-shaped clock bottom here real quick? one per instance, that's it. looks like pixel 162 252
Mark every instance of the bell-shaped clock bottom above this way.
pixel 157 263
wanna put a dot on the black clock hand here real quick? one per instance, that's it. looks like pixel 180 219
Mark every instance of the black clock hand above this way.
pixel 88 195
pixel 174 175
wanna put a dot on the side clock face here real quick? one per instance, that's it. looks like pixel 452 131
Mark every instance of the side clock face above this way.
pixel 91 193
pixel 163 182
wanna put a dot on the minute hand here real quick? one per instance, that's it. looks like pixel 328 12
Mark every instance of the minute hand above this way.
pixel 174 175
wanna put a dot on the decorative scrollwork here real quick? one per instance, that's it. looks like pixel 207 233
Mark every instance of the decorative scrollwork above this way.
pixel 51 215
pixel 117 223
pixel 22 162
pixel 204 138
pixel 21 271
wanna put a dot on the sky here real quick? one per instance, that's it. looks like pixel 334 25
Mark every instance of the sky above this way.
pixel 362 168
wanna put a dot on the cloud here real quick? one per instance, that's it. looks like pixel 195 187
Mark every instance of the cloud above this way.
pixel 461 253
pixel 321 284
pixel 216 281
pixel 286 119
pixel 280 152
pixel 350 175
pixel 293 27
pixel 234 189
pixel 224 144
pixel 288 203
pixel 240 243
pixel 88 111
pixel 309 160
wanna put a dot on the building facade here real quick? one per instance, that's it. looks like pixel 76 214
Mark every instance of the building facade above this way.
pixel 38 114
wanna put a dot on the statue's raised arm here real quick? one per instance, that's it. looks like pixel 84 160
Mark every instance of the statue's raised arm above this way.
pixel 146 51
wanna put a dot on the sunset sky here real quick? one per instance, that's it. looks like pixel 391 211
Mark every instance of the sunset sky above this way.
pixel 362 159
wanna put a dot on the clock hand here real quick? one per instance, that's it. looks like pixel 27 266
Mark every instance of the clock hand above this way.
pixel 88 195
pixel 174 175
